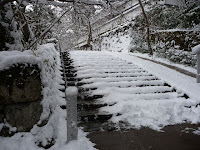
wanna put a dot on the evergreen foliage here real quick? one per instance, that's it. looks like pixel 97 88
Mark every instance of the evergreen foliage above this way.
pixel 174 45
pixel 170 17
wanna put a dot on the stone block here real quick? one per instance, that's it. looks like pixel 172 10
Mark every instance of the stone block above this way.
pixel 1 113
pixel 20 83
pixel 20 97
pixel 23 115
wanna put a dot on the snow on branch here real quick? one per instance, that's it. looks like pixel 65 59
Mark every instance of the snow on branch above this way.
pixel 46 30
pixel 196 49
pixel 63 2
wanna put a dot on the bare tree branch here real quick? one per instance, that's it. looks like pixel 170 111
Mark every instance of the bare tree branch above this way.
pixel 63 2
pixel 46 30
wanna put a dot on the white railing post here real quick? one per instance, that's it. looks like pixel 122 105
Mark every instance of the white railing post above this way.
pixel 198 68
pixel 196 50
pixel 71 99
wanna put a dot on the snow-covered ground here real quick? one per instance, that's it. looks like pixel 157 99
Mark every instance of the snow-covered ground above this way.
pixel 165 61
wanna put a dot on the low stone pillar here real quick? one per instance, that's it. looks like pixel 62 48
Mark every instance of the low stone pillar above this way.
pixel 71 99
pixel 196 50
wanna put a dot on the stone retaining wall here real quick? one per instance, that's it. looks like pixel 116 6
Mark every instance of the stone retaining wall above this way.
pixel 20 97
pixel 183 40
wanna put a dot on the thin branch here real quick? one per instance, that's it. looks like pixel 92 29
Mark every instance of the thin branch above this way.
pixel 49 28
pixel 147 26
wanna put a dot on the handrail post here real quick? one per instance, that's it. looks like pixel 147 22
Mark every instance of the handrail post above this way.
pixel 71 101
pixel 196 50
pixel 198 68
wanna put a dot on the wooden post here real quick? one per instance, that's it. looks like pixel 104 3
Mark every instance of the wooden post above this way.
pixel 71 98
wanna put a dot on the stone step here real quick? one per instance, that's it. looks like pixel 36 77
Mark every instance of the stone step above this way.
pixel 97 126
pixel 69 67
pixel 84 105
pixel 115 79
pixel 70 71
pixel 85 89
pixel 71 83
pixel 68 60
pixel 70 75
pixel 79 84
pixel 72 79
pixel 81 90
pixel 62 90
pixel 67 63
pixel 93 115
pixel 65 57
pixel 63 84
pixel 114 76
pixel 89 97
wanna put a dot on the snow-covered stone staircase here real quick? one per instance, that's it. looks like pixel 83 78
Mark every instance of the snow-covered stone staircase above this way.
pixel 104 80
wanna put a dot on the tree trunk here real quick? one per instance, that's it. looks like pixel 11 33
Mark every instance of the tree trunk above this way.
pixel 89 34
pixel 147 26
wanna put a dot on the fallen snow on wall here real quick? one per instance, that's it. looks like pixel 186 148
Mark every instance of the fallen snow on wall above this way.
pixel 54 130
pixel 8 58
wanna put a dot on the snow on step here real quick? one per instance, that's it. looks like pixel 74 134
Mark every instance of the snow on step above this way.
pixel 109 70
pixel 154 114
pixel 98 75
pixel 92 66
pixel 132 90
pixel 98 64
pixel 115 97
pixel 116 79
pixel 108 67
pixel 123 84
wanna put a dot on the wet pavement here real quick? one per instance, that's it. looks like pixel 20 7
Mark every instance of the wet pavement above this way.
pixel 173 138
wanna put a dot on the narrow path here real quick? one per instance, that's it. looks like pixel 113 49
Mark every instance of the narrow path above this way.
pixel 171 67
pixel 105 81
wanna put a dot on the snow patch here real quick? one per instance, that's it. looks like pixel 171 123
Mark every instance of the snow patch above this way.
pixel 196 49
pixel 71 91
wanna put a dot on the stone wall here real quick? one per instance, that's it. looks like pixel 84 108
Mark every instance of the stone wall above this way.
pixel 185 40
pixel 176 45
pixel 20 97
pixel 170 44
